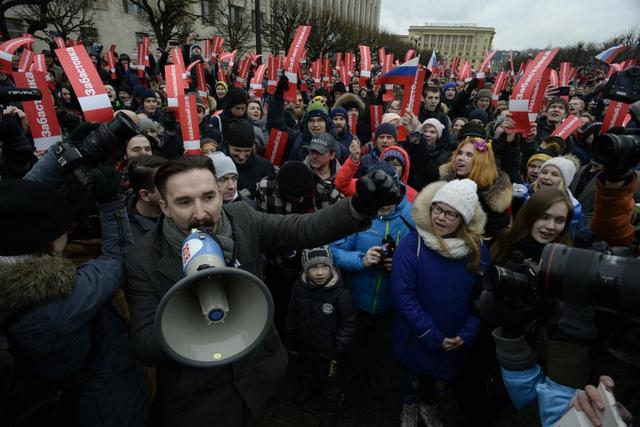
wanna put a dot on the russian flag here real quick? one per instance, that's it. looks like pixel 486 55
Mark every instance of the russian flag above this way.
pixel 607 56
pixel 433 62
pixel 403 74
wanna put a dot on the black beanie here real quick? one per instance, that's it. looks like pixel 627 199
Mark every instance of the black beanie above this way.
pixel 295 179
pixel 240 134
pixel 236 96
pixel 472 129
pixel 32 215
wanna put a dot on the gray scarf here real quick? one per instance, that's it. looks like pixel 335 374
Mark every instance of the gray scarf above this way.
pixel 224 235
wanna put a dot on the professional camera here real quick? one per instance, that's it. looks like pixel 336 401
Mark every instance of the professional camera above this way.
pixel 96 148
pixel 605 279
pixel 624 86
pixel 10 126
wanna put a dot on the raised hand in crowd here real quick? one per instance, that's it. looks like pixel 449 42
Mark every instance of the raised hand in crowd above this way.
pixel 372 256
pixel 410 121
pixel 355 150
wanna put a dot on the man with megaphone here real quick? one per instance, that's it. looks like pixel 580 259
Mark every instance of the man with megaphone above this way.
pixel 198 386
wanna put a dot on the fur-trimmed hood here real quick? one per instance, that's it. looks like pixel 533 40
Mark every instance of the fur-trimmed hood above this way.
pixel 32 281
pixel 349 99
pixel 421 212
pixel 497 197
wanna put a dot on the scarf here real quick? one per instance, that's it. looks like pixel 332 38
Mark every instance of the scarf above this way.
pixel 224 236
pixel 456 247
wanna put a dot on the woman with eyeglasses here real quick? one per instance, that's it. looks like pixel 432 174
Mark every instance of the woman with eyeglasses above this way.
pixel 474 159
pixel 435 270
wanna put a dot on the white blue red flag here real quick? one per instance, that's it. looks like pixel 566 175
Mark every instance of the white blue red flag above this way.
pixel 607 56
pixel 433 62
pixel 403 74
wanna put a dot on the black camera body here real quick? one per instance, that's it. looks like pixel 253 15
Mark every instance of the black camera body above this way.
pixel 607 279
pixel 624 86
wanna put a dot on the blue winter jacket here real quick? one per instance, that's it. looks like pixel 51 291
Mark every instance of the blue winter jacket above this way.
pixel 432 297
pixel 371 287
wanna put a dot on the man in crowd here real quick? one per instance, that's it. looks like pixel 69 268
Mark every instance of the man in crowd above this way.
pixel 190 198
pixel 227 177
pixel 322 157
pixel 143 198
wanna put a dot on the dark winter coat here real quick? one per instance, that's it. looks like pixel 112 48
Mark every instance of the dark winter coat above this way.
pixel 321 321
pixel 140 224
pixel 432 296
pixel 495 200
pixel 251 173
pixel 53 334
pixel 194 396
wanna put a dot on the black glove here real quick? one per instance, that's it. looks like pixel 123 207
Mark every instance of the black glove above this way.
pixel 283 85
pixel 105 183
pixel 508 312
pixel 374 191
pixel 169 121
pixel 473 83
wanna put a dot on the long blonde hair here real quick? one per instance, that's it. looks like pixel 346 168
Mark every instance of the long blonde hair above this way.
pixel 483 167
pixel 471 238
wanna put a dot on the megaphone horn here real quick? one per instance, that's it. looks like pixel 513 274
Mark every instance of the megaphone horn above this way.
pixel 215 314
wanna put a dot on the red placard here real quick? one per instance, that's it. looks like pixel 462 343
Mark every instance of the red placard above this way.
pixel 465 71
pixel 353 123
pixel 486 63
pixel 175 85
pixel 498 87
pixel 8 48
pixel 412 95
pixel 523 90
pixel 272 74
pixel 293 61
pixel 409 55
pixel 349 63
pixel 454 67
pixel 326 72
pixel 365 64
pixel 243 72
pixel 189 128
pixel 216 46
pixel 615 115
pixel 256 81
pixel 375 113
pixel 200 81
pixel 41 114
pixel 206 54
pixel 86 83
pixel 569 125
pixel 535 105
pixel 565 73
pixel 25 60
pixel 316 71
pixel 111 61
pixel 275 147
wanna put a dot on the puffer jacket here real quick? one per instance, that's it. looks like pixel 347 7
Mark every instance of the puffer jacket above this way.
pixel 320 320
pixel 432 294
pixel 371 286
pixel 53 332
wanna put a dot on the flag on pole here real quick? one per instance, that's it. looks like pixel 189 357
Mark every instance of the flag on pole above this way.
pixel 433 62
pixel 608 55
pixel 403 74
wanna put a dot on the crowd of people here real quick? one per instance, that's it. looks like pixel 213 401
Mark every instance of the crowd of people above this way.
pixel 373 244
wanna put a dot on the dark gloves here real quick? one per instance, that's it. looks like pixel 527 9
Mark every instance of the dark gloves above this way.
pixel 105 183
pixel 283 85
pixel 508 312
pixel 374 191
pixel 473 83
pixel 170 121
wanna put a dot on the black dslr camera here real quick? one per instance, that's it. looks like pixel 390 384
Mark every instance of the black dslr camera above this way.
pixel 606 279
pixel 96 148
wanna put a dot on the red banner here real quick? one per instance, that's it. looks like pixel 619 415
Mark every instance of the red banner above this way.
pixel 201 83
pixel 256 81
pixel 454 67
pixel 216 45
pixel 143 56
pixel 293 60
pixel 229 57
pixel 498 86
pixel 375 112
pixel 189 127
pixel 86 83
pixel 41 114
pixel 565 73
pixel 409 55
pixel 206 54
pixel 243 72
pixel 412 95
pixel 553 77
pixel 535 105
pixel 523 90
pixel 175 85
pixel 349 64
pixel 486 63
pixel 8 48
pixel 40 64
pixel 25 60
pixel 275 147
pixel 316 71
pixel 176 57
pixel 272 74
pixel 353 123
pixel 326 72
pixel 568 126
pixel 465 71
pixel 365 64
pixel 615 116
pixel 381 57
pixel 111 61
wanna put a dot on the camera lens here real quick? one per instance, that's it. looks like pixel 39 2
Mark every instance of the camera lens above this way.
pixel 584 277
pixel 618 151
pixel 507 282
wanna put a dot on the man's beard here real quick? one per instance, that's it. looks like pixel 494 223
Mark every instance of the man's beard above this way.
pixel 207 224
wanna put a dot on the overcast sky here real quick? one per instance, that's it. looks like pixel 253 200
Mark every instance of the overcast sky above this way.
pixel 520 24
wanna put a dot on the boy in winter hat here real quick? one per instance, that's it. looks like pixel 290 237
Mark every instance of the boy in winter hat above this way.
pixel 321 324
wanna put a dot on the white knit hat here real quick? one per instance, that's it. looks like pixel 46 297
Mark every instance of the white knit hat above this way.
pixel 566 167
pixel 436 124
pixel 461 195
pixel 222 164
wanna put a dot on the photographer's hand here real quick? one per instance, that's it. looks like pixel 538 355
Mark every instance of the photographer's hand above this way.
pixel 372 256
pixel 591 402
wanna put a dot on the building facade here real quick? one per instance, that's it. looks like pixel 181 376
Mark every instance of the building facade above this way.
pixel 467 41
pixel 122 23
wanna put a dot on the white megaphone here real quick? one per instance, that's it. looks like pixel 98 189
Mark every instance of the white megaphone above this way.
pixel 216 314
